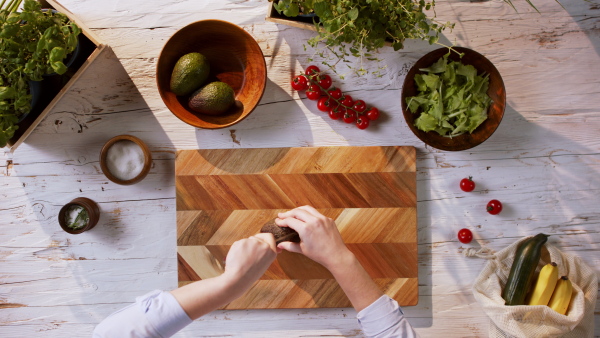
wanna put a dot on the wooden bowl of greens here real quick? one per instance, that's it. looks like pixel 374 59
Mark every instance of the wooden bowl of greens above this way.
pixel 451 102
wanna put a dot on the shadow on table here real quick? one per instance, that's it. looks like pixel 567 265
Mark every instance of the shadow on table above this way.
pixel 583 13
pixel 528 151
pixel 272 122
pixel 103 103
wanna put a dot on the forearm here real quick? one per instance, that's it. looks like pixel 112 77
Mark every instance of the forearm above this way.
pixel 356 282
pixel 202 297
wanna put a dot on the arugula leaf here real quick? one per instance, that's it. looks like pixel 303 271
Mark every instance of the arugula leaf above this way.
pixel 452 98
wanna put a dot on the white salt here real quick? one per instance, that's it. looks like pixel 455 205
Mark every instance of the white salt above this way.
pixel 125 160
pixel 76 217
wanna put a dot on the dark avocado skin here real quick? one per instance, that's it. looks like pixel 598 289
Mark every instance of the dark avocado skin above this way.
pixel 190 72
pixel 213 99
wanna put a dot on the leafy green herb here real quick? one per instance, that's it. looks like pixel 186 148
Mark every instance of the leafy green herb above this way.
pixel 32 43
pixel 452 98
pixel 80 220
pixel 359 28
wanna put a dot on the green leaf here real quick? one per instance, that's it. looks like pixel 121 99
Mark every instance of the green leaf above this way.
pixel 353 14
pixel 426 122
pixel 57 54
pixel 59 67
pixel 456 99
pixel 292 10
pixel 7 93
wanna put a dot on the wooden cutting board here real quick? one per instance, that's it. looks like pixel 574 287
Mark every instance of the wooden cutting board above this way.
pixel 224 195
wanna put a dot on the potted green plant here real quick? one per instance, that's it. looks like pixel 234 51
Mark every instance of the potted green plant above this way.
pixel 360 27
pixel 33 43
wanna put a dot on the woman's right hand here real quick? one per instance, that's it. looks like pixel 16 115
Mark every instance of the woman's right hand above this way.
pixel 320 239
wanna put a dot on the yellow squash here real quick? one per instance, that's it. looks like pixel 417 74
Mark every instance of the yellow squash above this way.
pixel 562 295
pixel 544 286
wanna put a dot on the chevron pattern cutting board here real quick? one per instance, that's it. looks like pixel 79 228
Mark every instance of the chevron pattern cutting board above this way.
pixel 224 195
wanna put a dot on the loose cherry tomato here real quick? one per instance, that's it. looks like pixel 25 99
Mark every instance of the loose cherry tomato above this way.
pixel 313 92
pixel 359 106
pixel 337 112
pixel 335 93
pixel 325 81
pixel 325 104
pixel 373 114
pixel 347 101
pixel 465 236
pixel 362 122
pixel 494 207
pixel 311 71
pixel 349 116
pixel 300 82
pixel 467 184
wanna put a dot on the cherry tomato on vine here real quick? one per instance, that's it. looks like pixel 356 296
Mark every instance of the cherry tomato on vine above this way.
pixel 347 101
pixel 313 92
pixel 373 114
pixel 325 81
pixel 467 184
pixel 337 112
pixel 494 207
pixel 362 122
pixel 325 104
pixel 359 106
pixel 300 82
pixel 311 71
pixel 465 236
pixel 349 116
pixel 335 93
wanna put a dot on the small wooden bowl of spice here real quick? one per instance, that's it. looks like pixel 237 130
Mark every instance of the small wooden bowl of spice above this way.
pixel 125 159
pixel 79 215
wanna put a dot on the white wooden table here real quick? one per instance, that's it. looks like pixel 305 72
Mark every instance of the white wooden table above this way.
pixel 543 163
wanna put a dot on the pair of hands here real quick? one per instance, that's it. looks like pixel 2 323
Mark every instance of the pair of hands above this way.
pixel 249 258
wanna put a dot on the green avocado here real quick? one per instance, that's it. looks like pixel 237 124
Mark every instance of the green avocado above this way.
pixel 213 99
pixel 190 72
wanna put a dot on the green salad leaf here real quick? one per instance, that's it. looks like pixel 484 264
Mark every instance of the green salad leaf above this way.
pixel 452 98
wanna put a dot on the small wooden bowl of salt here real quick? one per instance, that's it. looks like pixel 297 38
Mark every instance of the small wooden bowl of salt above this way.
pixel 125 159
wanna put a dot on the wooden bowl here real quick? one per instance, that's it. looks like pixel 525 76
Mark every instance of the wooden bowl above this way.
pixel 90 207
pixel 147 159
pixel 234 57
pixel 496 91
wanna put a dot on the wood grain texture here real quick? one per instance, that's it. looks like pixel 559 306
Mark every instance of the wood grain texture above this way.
pixel 227 195
pixel 234 58
pixel 543 163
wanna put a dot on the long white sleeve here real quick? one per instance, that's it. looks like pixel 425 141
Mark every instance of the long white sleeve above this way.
pixel 156 314
pixel 384 318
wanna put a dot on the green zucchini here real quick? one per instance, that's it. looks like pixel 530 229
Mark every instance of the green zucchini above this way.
pixel 520 278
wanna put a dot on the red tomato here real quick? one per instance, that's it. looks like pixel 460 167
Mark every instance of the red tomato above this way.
pixel 362 122
pixel 325 81
pixel 300 82
pixel 313 92
pixel 347 101
pixel 349 116
pixel 467 184
pixel 359 106
pixel 465 236
pixel 335 93
pixel 337 112
pixel 325 104
pixel 494 207
pixel 311 71
pixel 373 114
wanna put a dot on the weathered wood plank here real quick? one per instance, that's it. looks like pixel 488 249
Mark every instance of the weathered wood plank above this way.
pixel 542 163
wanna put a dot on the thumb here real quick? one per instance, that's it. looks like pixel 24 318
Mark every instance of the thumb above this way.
pixel 290 246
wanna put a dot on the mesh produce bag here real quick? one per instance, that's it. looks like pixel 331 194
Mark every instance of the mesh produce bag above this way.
pixel 539 320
